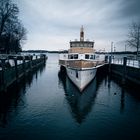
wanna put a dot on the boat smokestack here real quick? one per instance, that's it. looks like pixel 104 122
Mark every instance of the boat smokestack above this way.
pixel 82 34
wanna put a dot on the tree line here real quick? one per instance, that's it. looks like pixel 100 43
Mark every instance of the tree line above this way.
pixel 12 32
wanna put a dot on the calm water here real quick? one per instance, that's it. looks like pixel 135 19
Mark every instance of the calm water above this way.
pixel 46 105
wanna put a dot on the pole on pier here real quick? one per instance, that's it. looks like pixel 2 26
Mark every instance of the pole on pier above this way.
pixel 30 62
pixel 110 64
pixel 106 58
pixel 16 70
pixel 124 70
pixel 111 48
pixel 3 69
pixel 23 64
pixel 44 58
pixel 3 81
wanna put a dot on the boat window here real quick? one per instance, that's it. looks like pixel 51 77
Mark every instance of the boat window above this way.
pixel 91 57
pixel 70 56
pixel 86 56
pixel 75 56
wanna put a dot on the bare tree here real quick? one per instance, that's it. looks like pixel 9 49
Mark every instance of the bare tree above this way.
pixel 8 12
pixel 12 32
pixel 19 36
pixel 134 36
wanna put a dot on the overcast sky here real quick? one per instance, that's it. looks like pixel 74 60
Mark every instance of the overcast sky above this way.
pixel 51 24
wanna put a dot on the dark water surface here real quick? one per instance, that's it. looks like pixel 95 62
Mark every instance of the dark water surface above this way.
pixel 46 105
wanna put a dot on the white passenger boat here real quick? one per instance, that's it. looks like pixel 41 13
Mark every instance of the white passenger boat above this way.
pixel 80 62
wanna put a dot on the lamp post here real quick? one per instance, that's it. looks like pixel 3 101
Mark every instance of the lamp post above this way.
pixel 111 48
pixel 125 47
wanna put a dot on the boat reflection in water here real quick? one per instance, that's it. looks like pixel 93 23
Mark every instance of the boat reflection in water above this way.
pixel 80 102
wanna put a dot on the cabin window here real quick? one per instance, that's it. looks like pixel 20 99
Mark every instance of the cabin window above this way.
pixel 70 56
pixel 75 56
pixel 91 57
pixel 86 56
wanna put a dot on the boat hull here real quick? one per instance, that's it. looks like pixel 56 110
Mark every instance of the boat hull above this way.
pixel 81 78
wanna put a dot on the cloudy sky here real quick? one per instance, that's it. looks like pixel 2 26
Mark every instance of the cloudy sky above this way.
pixel 51 24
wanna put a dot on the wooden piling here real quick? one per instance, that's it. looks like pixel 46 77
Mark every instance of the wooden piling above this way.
pixel 124 70
pixel 16 70
pixel 110 64
pixel 3 69
pixel 23 64
pixel 106 59
pixel 3 81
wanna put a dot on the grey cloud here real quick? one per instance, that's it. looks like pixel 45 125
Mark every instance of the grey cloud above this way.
pixel 103 19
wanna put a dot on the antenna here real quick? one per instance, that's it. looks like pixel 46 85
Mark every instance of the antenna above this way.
pixel 82 34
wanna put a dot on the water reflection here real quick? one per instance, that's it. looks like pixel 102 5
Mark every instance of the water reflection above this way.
pixel 124 89
pixel 80 103
pixel 14 98
pixel 122 100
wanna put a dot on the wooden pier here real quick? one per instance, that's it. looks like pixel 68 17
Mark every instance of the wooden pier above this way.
pixel 127 69
pixel 11 72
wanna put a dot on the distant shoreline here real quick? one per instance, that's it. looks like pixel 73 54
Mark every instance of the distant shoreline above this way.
pixel 65 51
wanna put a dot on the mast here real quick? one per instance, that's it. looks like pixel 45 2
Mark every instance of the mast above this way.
pixel 82 34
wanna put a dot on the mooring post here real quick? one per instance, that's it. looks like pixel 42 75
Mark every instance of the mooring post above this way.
pixel 36 60
pixel 31 59
pixel 106 58
pixel 3 80
pixel 3 69
pixel 23 64
pixel 16 69
pixel 124 70
pixel 30 63
pixel 44 57
pixel 110 63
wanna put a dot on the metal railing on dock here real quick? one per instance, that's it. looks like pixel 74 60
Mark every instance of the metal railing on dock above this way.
pixel 130 62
